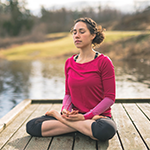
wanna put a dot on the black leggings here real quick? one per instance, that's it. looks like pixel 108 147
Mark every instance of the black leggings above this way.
pixel 103 129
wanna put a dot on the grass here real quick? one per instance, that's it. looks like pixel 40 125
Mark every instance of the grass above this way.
pixel 57 35
pixel 111 36
pixel 56 48
pixel 39 50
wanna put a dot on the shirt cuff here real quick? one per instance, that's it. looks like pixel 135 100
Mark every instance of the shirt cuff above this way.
pixel 88 115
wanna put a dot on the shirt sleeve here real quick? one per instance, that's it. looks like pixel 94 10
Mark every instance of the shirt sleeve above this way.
pixel 108 78
pixel 100 108
pixel 67 103
pixel 108 81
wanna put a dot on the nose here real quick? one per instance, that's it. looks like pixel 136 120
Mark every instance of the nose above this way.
pixel 77 35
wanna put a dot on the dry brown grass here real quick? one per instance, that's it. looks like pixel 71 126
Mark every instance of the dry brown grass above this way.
pixel 127 49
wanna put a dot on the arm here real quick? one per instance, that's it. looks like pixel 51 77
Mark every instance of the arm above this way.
pixel 100 108
pixel 108 81
pixel 67 103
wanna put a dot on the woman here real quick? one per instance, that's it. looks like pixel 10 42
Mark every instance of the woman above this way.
pixel 89 90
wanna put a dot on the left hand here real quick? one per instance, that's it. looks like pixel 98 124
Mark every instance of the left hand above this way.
pixel 74 117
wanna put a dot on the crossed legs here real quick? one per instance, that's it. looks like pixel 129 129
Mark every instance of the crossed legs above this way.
pixel 99 127
pixel 62 126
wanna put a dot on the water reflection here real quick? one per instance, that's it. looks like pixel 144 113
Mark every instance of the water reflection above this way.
pixel 14 83
pixel 20 80
pixel 47 78
pixel 133 79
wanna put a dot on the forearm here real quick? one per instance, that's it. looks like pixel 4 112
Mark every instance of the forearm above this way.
pixel 100 108
pixel 67 103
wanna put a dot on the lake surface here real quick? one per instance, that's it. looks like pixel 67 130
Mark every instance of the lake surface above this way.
pixel 37 79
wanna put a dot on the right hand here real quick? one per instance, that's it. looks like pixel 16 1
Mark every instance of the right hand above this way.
pixel 67 113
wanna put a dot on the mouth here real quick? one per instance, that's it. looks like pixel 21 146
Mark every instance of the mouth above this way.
pixel 77 41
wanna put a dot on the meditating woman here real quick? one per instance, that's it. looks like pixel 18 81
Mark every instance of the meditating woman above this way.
pixel 89 90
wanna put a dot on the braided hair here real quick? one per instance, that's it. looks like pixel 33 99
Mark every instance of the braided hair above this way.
pixel 94 29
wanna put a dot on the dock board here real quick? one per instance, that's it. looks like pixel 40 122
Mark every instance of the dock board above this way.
pixel 132 119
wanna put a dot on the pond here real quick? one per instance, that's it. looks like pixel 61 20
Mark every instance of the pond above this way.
pixel 38 79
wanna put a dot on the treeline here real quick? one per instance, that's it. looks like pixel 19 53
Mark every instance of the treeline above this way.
pixel 16 20
pixel 62 19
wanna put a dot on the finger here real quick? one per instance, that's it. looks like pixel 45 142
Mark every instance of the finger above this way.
pixel 73 116
pixel 74 112
pixel 67 118
pixel 64 111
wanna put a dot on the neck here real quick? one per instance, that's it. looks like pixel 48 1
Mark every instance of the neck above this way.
pixel 86 55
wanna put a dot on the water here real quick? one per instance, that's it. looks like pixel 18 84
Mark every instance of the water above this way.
pixel 37 79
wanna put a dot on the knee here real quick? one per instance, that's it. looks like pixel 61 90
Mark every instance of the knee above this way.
pixel 29 128
pixel 103 131
pixel 105 134
pixel 33 129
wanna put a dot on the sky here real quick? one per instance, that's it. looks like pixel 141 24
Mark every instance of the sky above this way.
pixel 36 4
pixel 124 5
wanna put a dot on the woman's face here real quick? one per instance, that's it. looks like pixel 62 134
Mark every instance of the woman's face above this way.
pixel 81 35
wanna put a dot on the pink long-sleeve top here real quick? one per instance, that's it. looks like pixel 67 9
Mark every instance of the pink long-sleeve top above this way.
pixel 90 87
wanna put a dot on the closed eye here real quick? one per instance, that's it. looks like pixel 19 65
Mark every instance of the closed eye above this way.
pixel 82 31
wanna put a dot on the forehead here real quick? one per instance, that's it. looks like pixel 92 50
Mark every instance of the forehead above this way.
pixel 80 25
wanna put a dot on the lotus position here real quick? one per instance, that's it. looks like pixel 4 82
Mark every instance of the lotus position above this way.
pixel 89 90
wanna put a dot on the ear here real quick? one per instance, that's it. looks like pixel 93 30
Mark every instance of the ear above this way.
pixel 93 36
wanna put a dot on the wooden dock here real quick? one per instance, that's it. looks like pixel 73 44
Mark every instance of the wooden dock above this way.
pixel 131 116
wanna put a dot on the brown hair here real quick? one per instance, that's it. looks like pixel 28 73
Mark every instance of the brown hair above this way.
pixel 93 28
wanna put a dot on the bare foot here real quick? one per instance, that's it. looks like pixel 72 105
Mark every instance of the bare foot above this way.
pixel 52 113
pixel 98 117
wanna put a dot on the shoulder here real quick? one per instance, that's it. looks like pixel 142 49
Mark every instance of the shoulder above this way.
pixel 104 59
pixel 105 62
pixel 69 60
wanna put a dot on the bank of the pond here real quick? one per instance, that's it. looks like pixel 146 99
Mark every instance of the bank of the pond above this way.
pixel 137 47
pixel 120 45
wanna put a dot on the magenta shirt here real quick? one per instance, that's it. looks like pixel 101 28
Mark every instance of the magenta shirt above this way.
pixel 89 83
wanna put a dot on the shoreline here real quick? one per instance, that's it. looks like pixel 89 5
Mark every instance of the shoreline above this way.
pixel 117 45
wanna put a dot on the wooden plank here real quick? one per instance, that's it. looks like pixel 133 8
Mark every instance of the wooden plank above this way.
pixel 140 121
pixel 42 143
pixel 83 142
pixel 127 132
pixel 132 100
pixel 42 101
pixel 18 138
pixel 21 138
pixel 118 100
pixel 11 115
pixel 62 142
pixel 103 145
pixel 7 133
pixel 39 143
pixel 114 143
pixel 56 107
pixel 145 107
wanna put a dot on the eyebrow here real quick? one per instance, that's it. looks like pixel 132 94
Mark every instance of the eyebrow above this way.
pixel 79 29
